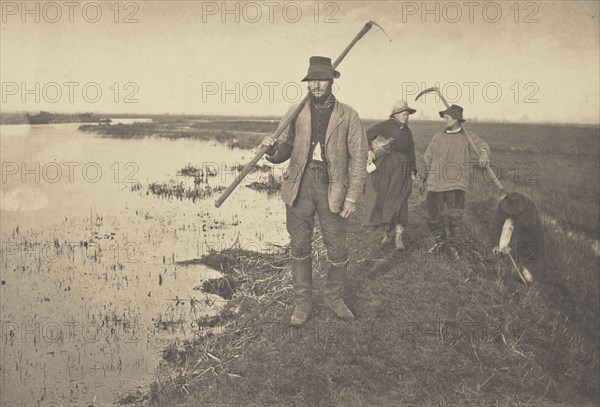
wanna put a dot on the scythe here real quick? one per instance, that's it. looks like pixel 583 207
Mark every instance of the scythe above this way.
pixel 284 125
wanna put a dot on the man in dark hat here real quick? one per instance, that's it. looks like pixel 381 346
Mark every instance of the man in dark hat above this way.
pixel 448 161
pixel 327 149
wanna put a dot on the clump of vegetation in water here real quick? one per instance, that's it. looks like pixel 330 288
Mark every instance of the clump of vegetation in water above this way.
pixel 120 130
pixel 181 190
pixel 272 184
pixel 178 190
pixel 256 168
pixel 191 171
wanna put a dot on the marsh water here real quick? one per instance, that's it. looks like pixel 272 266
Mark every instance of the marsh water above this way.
pixel 92 288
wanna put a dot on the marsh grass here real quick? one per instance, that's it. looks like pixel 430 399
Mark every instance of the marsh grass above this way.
pixel 430 331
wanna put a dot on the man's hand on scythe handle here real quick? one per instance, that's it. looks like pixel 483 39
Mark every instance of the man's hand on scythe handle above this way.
pixel 469 139
pixel 284 125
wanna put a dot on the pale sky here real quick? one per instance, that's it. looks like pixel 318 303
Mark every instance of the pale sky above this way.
pixel 193 57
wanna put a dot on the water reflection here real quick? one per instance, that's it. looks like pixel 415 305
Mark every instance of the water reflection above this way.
pixel 91 291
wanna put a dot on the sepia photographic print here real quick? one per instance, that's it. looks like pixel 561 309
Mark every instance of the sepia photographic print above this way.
pixel 299 203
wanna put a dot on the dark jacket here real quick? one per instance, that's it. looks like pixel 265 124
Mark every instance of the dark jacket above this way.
pixel 527 239
pixel 403 139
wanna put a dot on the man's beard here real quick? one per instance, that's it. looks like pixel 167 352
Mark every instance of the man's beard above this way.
pixel 322 98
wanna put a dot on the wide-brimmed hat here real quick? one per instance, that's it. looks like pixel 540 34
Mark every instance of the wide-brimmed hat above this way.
pixel 401 106
pixel 320 69
pixel 454 111
pixel 513 203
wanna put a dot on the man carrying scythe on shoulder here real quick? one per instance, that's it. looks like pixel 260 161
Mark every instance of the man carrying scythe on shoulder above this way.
pixel 327 149
pixel 447 160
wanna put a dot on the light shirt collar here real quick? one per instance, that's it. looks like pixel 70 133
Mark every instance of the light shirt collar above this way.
pixel 454 131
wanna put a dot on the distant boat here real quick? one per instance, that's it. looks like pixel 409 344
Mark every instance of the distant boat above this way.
pixel 104 121
pixel 86 117
pixel 41 118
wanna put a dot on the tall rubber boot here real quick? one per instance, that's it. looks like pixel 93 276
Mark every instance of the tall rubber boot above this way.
pixel 334 290
pixel 302 281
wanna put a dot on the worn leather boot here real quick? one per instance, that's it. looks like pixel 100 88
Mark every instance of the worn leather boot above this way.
pixel 388 236
pixel 334 290
pixel 302 281
pixel 456 226
pixel 438 229
pixel 399 243
pixel 456 229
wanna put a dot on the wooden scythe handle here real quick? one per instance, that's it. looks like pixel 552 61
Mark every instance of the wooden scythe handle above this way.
pixel 472 144
pixel 283 126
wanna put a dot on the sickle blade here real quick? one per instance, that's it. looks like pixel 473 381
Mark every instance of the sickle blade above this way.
pixel 380 27
pixel 428 90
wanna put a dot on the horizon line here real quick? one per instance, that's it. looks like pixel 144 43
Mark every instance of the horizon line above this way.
pixel 277 117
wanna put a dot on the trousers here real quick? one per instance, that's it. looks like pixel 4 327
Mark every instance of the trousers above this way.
pixel 454 201
pixel 300 217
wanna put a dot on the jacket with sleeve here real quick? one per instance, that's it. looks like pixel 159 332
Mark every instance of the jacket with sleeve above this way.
pixel 345 152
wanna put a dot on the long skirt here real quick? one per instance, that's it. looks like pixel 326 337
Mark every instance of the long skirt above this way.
pixel 387 190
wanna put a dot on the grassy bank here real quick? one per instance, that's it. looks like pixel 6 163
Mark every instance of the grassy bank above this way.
pixel 430 331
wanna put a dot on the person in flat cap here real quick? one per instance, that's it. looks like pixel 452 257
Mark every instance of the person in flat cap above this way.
pixel 519 231
pixel 327 149
pixel 448 162
pixel 390 175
